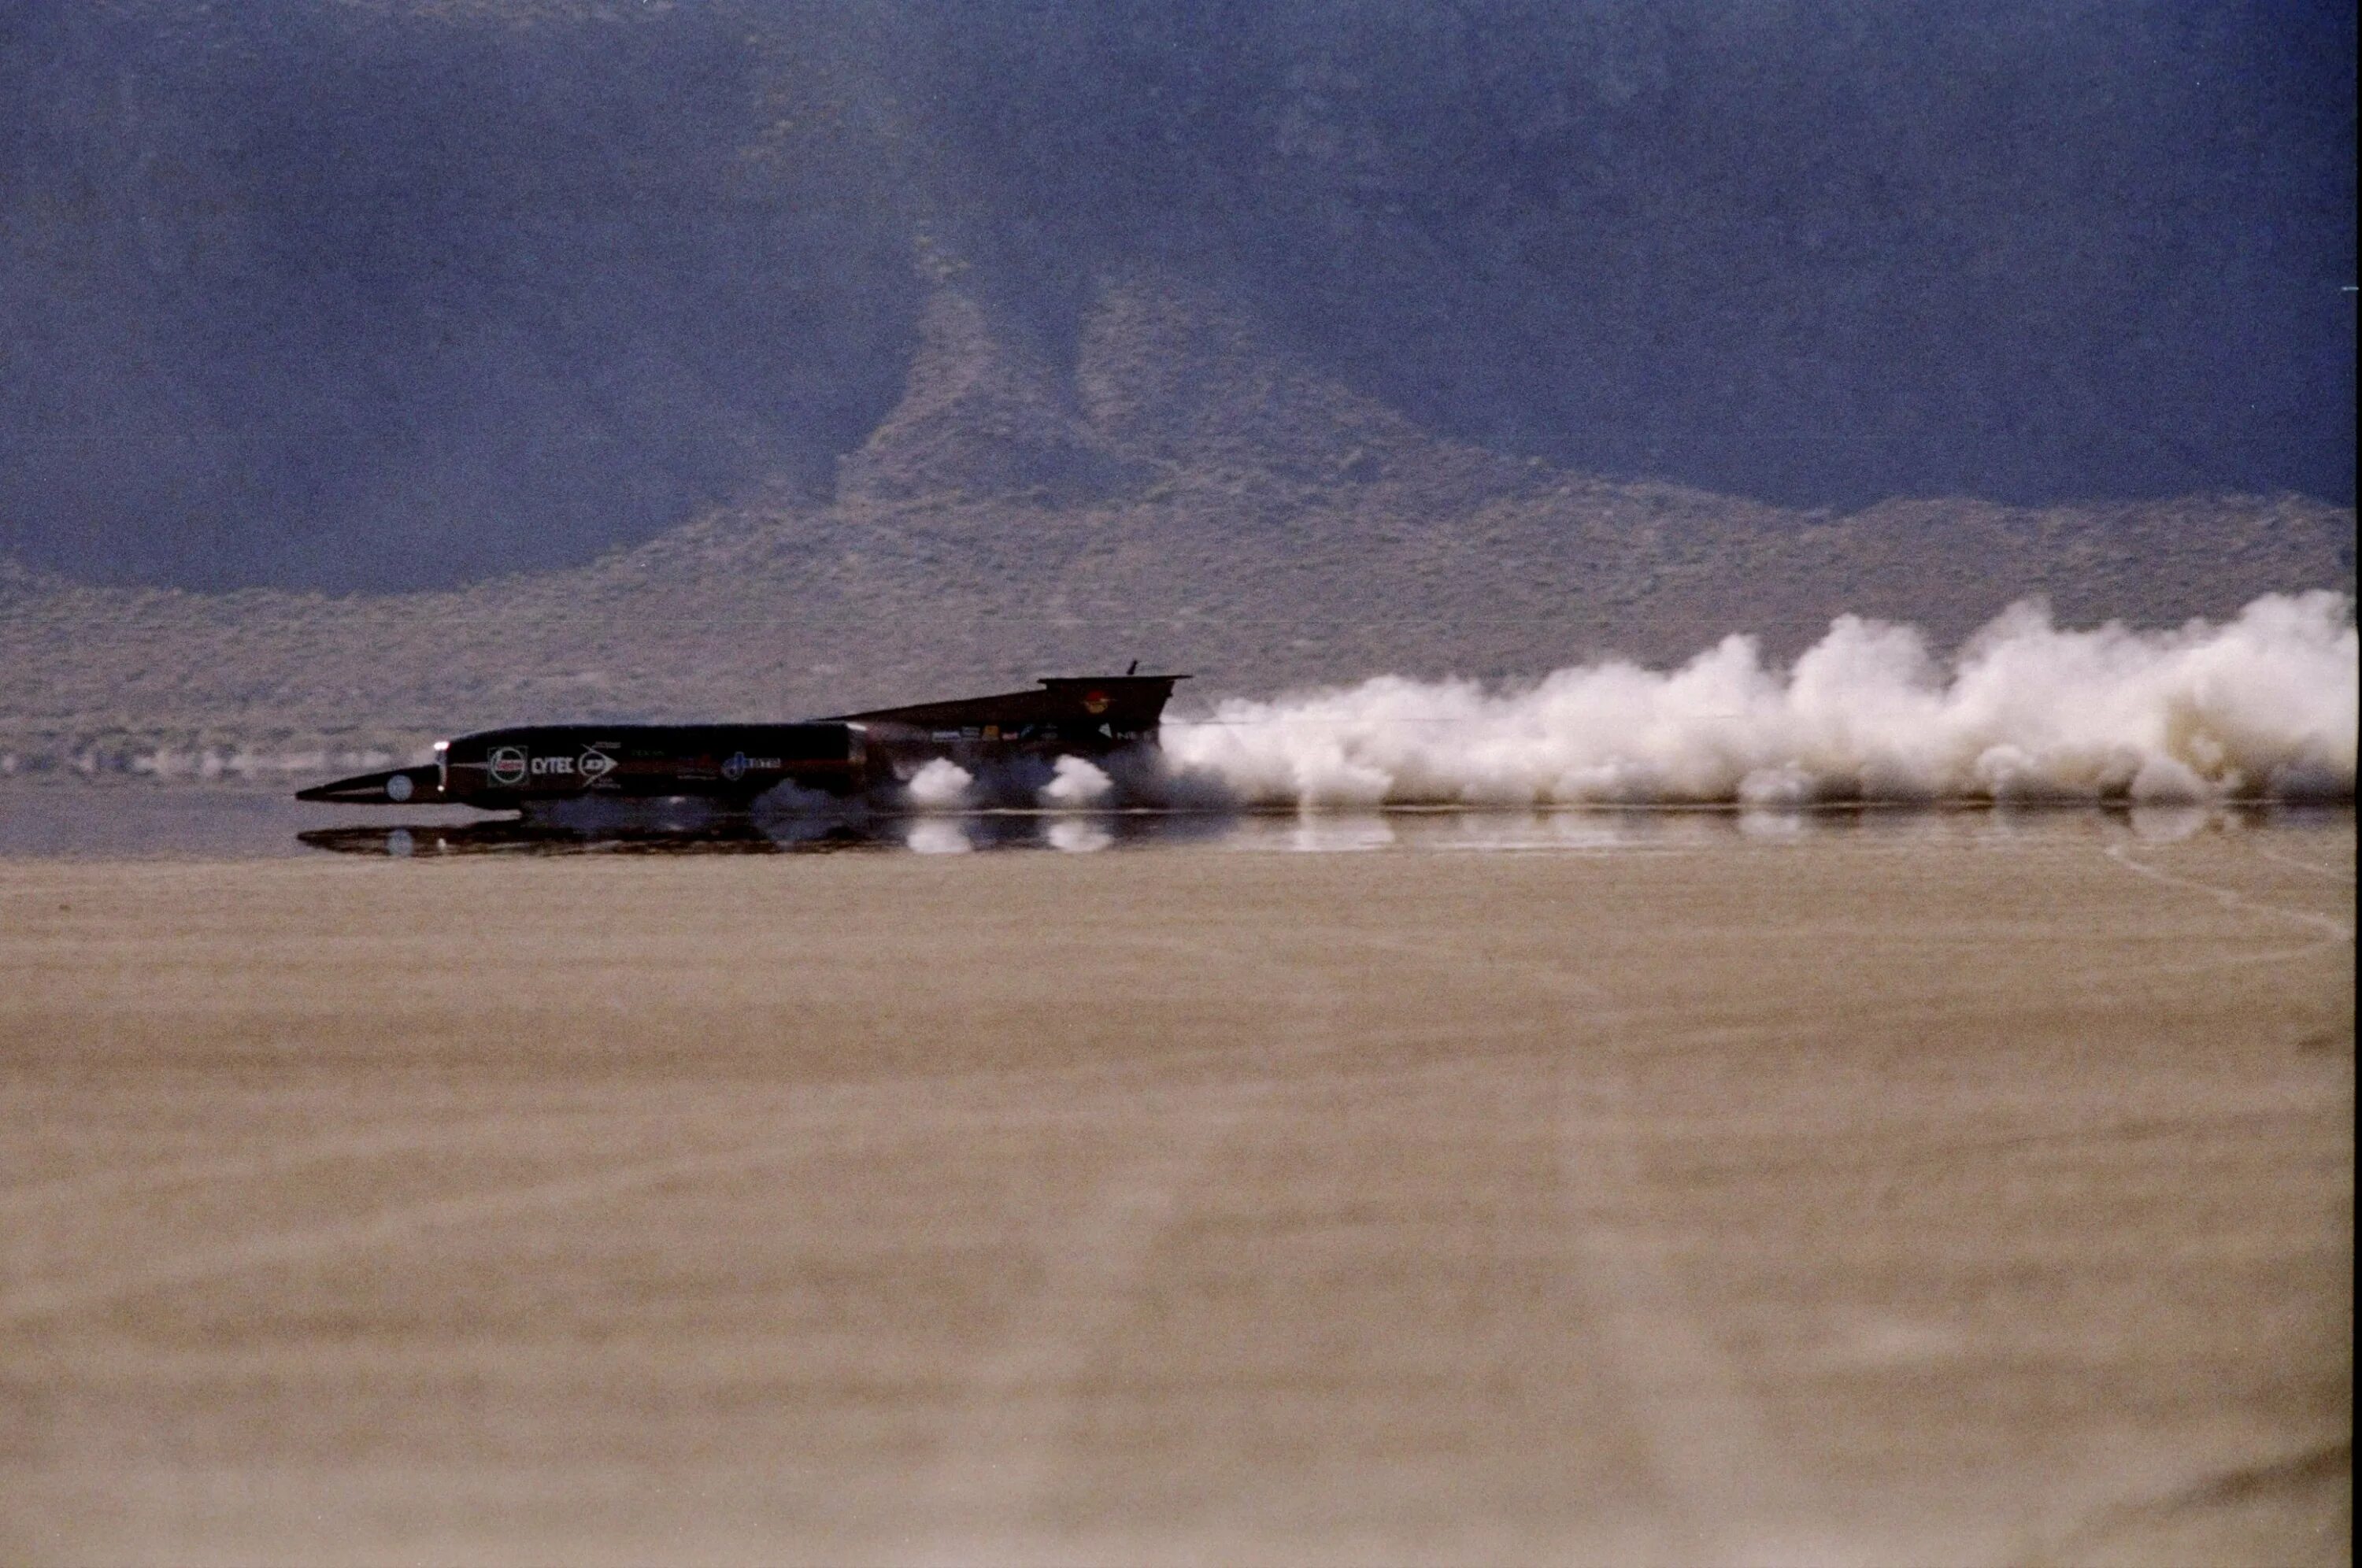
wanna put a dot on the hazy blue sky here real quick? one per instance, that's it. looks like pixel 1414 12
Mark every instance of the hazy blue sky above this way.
pixel 374 295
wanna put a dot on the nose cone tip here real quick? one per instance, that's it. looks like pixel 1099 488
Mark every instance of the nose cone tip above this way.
pixel 403 786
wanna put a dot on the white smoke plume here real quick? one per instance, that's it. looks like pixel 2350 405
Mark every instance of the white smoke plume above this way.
pixel 2262 706
pixel 941 785
pixel 1077 782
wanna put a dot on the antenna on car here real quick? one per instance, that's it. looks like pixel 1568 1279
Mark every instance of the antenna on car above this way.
pixel 1135 670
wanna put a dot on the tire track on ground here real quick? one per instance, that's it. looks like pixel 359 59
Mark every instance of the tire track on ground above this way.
pixel 386 1227
pixel 2336 874
pixel 794 1130
pixel 2333 931
pixel 1726 1484
pixel 998 1452
pixel 820 1104
pixel 996 1457
pixel 282 1159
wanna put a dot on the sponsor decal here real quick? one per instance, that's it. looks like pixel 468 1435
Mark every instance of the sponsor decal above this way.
pixel 944 734
pixel 544 766
pixel 596 765
pixel 992 732
pixel 1095 703
pixel 736 768
pixel 397 789
pixel 506 764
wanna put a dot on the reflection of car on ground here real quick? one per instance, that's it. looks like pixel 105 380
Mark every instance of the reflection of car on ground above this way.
pixel 734 834
pixel 744 833
pixel 1094 717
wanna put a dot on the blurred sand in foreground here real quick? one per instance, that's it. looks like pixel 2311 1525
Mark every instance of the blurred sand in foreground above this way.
pixel 1981 1200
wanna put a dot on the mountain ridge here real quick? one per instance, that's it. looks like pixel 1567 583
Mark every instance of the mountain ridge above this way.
pixel 1180 491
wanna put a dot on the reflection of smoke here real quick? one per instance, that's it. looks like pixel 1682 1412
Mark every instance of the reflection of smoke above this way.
pixel 1079 835
pixel 941 785
pixel 2263 705
pixel 935 836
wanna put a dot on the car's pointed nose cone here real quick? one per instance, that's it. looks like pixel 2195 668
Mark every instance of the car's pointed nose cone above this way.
pixel 398 787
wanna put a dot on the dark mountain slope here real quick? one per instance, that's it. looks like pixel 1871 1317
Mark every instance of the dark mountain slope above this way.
pixel 1177 492
pixel 383 294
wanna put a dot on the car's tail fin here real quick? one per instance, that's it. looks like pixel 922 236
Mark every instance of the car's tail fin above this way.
pixel 1106 707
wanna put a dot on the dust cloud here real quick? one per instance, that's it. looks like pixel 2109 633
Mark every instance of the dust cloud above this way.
pixel 2264 705
pixel 1077 781
pixel 941 785
pixel 1065 783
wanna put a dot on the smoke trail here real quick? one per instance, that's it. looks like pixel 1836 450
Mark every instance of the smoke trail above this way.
pixel 2263 705
pixel 1075 782
pixel 941 785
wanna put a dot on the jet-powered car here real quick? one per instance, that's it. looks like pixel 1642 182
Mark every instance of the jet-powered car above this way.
pixel 516 769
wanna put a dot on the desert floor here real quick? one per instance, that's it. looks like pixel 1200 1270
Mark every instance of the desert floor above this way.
pixel 1980 1195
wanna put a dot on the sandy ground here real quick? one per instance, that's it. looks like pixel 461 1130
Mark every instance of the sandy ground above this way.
pixel 1978 1196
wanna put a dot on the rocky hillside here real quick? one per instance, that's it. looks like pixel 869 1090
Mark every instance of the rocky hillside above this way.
pixel 395 295
pixel 1169 487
